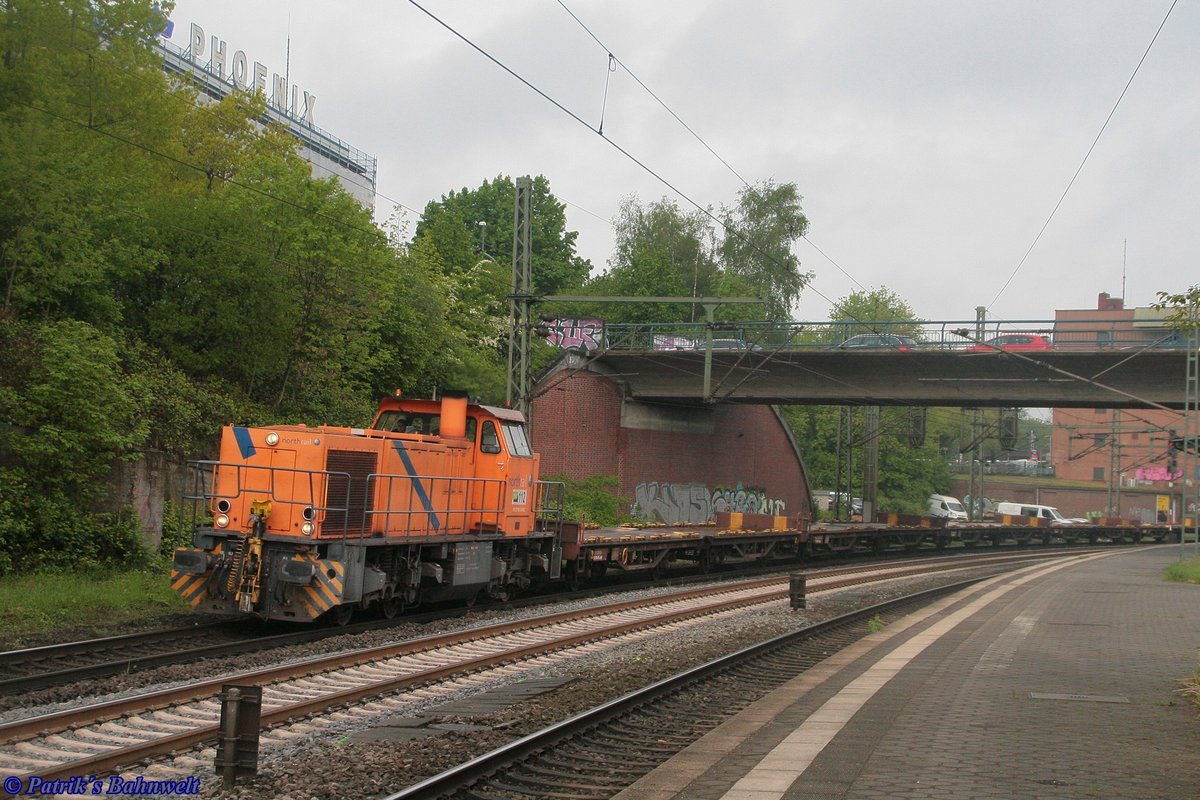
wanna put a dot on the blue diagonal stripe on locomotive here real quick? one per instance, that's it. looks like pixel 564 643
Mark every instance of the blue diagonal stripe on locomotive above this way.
pixel 244 442
pixel 416 482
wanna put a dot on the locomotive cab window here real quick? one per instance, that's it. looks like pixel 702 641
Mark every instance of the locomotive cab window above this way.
pixel 409 422
pixel 518 443
pixel 489 440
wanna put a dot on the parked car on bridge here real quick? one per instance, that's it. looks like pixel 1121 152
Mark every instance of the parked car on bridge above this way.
pixel 879 341
pixel 1015 341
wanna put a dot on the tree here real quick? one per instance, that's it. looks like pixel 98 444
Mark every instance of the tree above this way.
pixel 660 250
pixel 759 234
pixel 67 413
pixel 907 474
pixel 872 311
pixel 1184 308
pixel 556 267
pixel 78 84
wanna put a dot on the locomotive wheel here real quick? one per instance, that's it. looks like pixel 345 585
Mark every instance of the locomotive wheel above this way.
pixel 391 608
pixel 342 614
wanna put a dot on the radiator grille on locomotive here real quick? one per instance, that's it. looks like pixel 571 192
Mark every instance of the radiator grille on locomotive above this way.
pixel 347 500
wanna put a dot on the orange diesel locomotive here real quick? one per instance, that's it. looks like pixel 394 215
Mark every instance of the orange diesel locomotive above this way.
pixel 437 500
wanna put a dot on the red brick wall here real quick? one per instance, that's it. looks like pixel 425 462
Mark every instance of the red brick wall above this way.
pixel 577 429
pixel 576 425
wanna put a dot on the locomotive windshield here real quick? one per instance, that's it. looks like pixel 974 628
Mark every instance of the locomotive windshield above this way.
pixel 518 444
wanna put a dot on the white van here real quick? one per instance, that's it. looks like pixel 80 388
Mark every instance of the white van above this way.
pixel 1048 513
pixel 946 507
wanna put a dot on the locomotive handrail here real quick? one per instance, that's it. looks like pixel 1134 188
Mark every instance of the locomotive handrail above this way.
pixel 208 473
pixel 424 487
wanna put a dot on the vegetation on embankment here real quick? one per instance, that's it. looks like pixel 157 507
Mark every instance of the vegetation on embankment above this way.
pixel 44 607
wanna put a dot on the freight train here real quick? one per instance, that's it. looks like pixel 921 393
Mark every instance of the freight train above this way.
pixel 441 500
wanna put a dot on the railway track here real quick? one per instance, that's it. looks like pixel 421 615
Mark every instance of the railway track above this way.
pixel 31 669
pixel 35 668
pixel 108 736
pixel 600 752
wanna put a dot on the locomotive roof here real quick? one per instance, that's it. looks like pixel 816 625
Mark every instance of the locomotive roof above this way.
pixel 506 414
pixel 510 414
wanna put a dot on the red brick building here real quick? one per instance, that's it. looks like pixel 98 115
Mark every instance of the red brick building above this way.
pixel 674 463
pixel 1094 444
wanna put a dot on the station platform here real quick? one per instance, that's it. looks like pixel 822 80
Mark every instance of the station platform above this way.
pixel 1061 680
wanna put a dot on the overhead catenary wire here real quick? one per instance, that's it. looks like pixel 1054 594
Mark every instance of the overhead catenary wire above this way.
pixel 697 136
pixel 620 149
pixel 1086 156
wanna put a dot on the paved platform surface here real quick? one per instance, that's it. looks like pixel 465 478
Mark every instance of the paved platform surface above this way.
pixel 1059 681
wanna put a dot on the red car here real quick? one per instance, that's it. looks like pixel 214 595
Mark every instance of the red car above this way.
pixel 1015 341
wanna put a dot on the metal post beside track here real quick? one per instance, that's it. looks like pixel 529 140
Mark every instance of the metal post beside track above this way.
pixel 797 589
pixel 237 749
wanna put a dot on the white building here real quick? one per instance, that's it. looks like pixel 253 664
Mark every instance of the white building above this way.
pixel 215 72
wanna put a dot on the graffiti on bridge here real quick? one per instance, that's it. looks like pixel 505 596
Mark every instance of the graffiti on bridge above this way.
pixel 674 503
pixel 582 334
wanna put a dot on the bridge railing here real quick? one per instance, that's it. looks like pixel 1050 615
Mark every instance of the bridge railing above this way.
pixel 1061 334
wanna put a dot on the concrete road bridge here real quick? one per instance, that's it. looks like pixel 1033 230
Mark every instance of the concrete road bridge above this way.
pixel 1092 365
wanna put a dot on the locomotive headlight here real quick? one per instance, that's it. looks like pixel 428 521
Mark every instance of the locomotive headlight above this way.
pixel 272 439
pixel 221 521
pixel 307 529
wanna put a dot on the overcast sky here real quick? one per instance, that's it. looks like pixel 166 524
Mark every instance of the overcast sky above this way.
pixel 930 140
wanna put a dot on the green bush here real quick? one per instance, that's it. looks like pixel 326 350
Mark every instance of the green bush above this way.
pixel 594 499
pixel 50 531
pixel 176 530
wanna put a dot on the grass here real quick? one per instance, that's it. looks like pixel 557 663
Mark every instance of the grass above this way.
pixel 1183 571
pixel 1187 572
pixel 58 606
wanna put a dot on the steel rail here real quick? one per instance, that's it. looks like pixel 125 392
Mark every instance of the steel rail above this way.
pixel 114 759
pixel 464 775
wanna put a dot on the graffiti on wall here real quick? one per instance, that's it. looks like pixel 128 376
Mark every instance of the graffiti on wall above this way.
pixel 673 503
pixel 1158 474
pixel 582 334
pixel 746 501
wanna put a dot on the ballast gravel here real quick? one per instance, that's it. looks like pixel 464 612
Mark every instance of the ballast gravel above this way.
pixel 336 756
pixel 329 763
